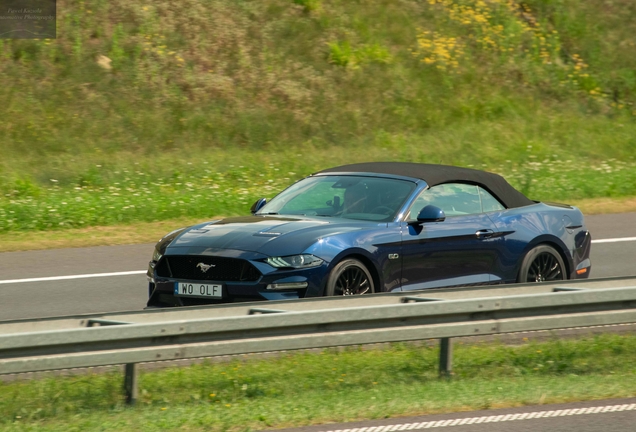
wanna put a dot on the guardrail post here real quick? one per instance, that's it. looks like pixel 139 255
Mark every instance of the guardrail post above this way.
pixel 445 357
pixel 130 383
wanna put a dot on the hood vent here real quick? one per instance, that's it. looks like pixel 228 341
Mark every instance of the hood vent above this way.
pixel 267 234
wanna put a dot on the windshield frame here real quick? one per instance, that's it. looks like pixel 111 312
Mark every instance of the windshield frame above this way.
pixel 383 197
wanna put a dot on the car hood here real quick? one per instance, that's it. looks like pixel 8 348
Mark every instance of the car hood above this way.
pixel 263 234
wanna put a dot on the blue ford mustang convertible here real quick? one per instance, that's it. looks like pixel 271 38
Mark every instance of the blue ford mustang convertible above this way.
pixel 372 227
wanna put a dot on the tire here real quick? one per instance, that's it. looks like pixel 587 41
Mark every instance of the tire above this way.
pixel 349 277
pixel 542 264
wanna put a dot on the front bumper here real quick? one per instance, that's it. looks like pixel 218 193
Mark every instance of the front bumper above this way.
pixel 161 289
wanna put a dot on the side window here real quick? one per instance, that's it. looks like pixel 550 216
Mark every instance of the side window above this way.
pixel 454 198
pixel 488 202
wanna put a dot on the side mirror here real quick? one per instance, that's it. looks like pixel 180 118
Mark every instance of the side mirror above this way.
pixel 258 205
pixel 430 213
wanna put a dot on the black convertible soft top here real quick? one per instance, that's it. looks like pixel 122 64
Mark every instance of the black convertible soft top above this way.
pixel 439 174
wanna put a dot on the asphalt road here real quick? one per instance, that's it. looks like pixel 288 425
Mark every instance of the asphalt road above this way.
pixel 613 415
pixel 58 295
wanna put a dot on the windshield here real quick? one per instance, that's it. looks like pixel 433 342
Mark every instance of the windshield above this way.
pixel 353 197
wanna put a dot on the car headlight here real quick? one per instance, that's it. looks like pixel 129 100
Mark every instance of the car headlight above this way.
pixel 295 261
pixel 156 256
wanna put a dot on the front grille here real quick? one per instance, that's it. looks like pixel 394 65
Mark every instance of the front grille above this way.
pixel 189 267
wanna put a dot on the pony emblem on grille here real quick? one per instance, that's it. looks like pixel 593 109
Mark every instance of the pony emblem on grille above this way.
pixel 205 267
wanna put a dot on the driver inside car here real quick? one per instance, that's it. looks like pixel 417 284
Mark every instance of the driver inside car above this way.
pixel 355 198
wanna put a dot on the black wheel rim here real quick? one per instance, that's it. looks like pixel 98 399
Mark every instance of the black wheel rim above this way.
pixel 545 267
pixel 352 281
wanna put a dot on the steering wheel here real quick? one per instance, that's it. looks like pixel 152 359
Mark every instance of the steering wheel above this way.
pixel 385 210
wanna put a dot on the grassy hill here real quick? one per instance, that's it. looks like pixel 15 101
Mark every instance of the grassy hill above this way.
pixel 147 111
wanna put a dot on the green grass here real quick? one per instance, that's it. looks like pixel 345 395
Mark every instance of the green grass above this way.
pixel 300 389
pixel 127 192
pixel 237 93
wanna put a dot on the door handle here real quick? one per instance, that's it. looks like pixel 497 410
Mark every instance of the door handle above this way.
pixel 484 234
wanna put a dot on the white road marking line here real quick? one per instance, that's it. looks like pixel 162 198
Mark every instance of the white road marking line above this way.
pixel 494 419
pixel 83 276
pixel 614 240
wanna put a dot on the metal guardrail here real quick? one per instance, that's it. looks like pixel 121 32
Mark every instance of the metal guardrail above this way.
pixel 108 341
pixel 298 305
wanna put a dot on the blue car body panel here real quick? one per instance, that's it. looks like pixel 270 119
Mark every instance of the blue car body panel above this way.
pixel 401 255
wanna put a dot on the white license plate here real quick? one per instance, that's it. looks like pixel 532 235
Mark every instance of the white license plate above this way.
pixel 187 289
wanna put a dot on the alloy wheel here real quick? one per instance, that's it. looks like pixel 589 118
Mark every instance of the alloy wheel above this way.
pixel 545 267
